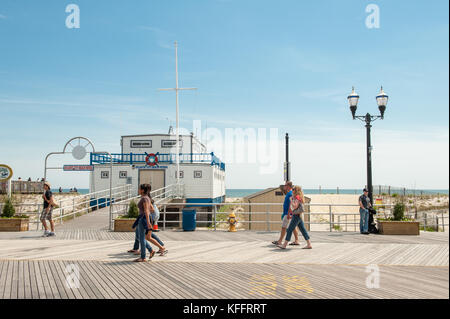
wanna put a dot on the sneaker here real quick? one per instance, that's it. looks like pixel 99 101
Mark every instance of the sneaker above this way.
pixel 51 234
pixel 45 233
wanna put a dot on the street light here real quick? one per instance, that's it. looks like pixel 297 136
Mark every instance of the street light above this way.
pixel 382 99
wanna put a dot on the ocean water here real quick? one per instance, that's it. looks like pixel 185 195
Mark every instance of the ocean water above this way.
pixel 67 190
pixel 235 192
pixel 242 192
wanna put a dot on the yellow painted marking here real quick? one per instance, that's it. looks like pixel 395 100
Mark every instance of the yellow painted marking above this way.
pixel 263 284
pixel 294 283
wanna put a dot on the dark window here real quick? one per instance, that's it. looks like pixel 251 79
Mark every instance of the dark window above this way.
pixel 197 174
pixel 279 193
pixel 170 143
pixel 123 174
pixel 181 174
pixel 141 143
pixel 104 174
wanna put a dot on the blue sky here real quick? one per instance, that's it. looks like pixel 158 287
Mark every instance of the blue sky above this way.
pixel 288 64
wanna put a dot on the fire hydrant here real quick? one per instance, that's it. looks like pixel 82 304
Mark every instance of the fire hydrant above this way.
pixel 232 221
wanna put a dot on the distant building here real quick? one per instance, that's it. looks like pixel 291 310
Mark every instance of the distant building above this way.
pixel 201 173
pixel 258 214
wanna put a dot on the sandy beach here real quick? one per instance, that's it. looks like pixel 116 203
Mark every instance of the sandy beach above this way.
pixel 345 209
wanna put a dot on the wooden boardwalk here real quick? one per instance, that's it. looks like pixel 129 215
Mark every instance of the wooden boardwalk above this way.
pixel 218 265
pixel 45 279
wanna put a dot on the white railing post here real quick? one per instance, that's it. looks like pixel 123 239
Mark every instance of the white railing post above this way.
pixel 267 218
pixel 38 216
pixel 329 208
pixel 164 218
pixel 61 212
pixel 215 213
pixel 73 208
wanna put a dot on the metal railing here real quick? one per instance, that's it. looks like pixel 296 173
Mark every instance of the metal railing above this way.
pixel 74 205
pixel 167 158
pixel 158 195
pixel 335 220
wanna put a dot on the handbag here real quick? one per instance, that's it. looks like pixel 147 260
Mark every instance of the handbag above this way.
pixel 299 210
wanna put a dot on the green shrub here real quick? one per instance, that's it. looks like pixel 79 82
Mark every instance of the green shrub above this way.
pixel 394 195
pixel 399 211
pixel 8 208
pixel 133 210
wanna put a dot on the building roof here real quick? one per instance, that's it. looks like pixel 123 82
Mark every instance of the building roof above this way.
pixel 267 190
pixel 163 134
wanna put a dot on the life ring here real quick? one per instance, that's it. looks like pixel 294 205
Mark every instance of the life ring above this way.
pixel 151 159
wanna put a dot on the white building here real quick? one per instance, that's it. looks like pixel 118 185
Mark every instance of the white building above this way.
pixel 201 173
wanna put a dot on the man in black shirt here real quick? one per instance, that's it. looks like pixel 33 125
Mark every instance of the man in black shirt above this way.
pixel 364 204
pixel 47 211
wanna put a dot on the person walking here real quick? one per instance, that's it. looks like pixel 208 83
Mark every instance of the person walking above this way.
pixel 155 217
pixel 364 204
pixel 143 222
pixel 150 236
pixel 296 209
pixel 47 211
pixel 284 217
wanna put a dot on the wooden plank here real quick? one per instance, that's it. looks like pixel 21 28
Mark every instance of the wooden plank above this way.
pixel 45 281
pixel 51 279
pixel 9 280
pixel 21 281
pixel 15 281
pixel 54 271
pixel 3 277
pixel 116 282
pixel 76 293
pixel 27 281
pixel 101 279
pixel 122 275
pixel 87 282
pixel 33 281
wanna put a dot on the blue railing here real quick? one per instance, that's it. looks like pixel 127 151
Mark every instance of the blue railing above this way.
pixel 163 158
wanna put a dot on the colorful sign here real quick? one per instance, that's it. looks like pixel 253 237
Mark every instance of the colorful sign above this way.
pixel 78 168
pixel 6 173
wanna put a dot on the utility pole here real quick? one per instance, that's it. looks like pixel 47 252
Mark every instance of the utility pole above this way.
pixel 287 164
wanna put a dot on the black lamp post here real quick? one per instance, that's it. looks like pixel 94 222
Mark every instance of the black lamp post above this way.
pixel 382 100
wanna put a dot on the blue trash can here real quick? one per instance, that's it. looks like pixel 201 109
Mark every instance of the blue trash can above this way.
pixel 189 219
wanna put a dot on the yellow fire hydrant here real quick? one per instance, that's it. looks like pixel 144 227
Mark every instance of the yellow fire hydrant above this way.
pixel 232 221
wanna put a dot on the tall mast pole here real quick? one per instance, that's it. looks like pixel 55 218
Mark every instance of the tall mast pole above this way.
pixel 177 116
pixel 176 89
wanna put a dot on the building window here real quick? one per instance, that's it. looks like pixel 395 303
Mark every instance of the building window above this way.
pixel 141 143
pixel 181 174
pixel 170 143
pixel 123 174
pixel 104 174
pixel 278 193
pixel 197 174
